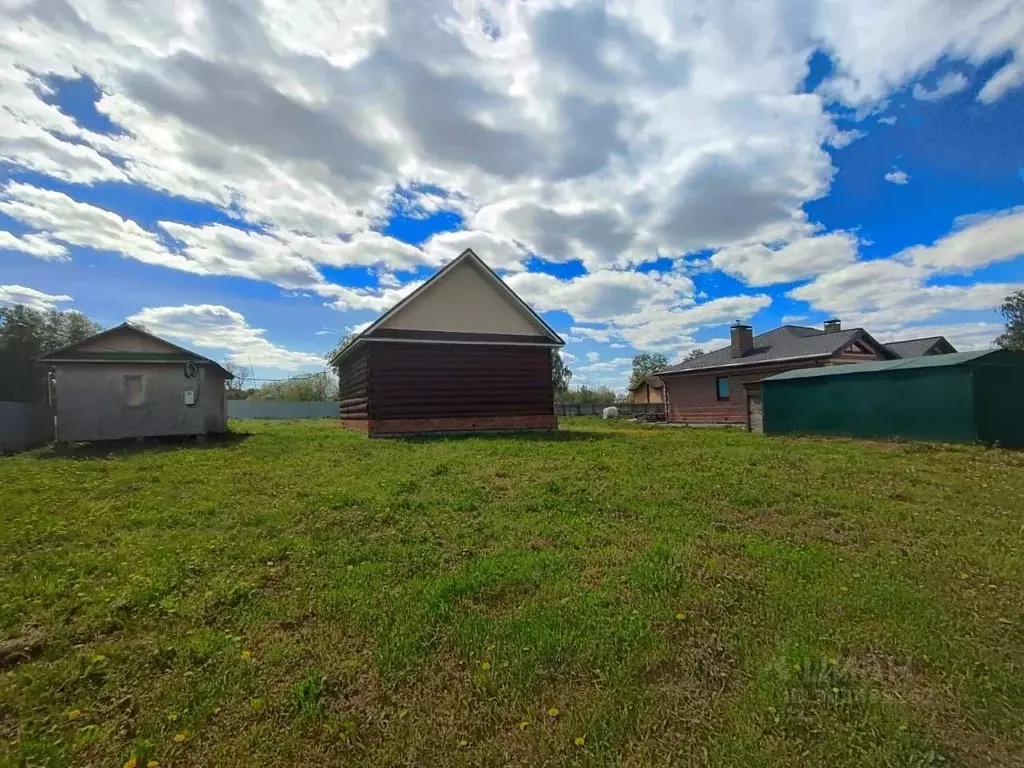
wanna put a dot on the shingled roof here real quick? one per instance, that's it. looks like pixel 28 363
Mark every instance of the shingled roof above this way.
pixel 789 342
pixel 920 347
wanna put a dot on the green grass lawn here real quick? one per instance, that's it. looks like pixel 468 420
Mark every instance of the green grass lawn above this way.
pixel 609 595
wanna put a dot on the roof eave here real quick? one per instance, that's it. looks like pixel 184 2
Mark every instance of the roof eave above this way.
pixel 742 363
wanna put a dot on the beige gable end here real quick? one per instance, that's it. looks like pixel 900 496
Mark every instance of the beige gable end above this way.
pixel 464 300
pixel 125 340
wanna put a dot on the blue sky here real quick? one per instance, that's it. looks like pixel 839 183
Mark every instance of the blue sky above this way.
pixel 256 182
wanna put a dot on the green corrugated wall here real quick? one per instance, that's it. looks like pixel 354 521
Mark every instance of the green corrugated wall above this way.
pixel 998 394
pixel 927 404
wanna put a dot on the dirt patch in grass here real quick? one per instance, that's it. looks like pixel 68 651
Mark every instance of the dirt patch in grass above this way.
pixel 21 648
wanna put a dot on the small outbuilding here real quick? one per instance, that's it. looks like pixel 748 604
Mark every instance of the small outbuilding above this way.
pixel 461 353
pixel 128 383
pixel 960 398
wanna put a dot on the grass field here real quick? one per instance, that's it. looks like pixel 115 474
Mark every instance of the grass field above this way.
pixel 608 595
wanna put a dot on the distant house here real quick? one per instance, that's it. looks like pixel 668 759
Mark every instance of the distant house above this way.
pixel 125 383
pixel 461 353
pixel 714 388
pixel 930 345
pixel 648 390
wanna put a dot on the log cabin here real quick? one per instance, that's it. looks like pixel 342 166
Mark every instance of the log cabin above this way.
pixel 461 353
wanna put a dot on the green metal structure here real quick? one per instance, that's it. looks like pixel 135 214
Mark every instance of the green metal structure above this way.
pixel 958 398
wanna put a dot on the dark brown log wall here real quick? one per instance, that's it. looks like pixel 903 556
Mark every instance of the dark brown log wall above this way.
pixel 432 381
pixel 354 385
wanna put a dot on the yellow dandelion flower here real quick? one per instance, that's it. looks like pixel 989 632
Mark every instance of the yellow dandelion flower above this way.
pixel 181 737
pixel 796 667
pixel 485 666
pixel 132 762
pixel 524 724
pixel 554 712
pixel 74 714
pixel 579 741
pixel 680 616
pixel 246 654
pixel 463 743
pixel 153 764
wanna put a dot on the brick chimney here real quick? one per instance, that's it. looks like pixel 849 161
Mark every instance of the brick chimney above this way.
pixel 742 339
pixel 833 325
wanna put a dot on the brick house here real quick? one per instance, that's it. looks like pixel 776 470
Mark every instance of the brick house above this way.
pixel 714 388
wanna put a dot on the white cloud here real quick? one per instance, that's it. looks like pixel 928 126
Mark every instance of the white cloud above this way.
pixel 30 297
pixel 897 177
pixel 603 294
pixel 57 217
pixel 34 245
pixel 217 327
pixel 593 357
pixel 596 365
pixel 843 139
pixel 897 290
pixel 600 335
pixel 888 120
pixel 950 83
pixel 499 252
pixel 1002 82
pixel 673 329
pixel 569 357
pixel 877 45
pixel 758 265
pixel 376 299
pixel 980 241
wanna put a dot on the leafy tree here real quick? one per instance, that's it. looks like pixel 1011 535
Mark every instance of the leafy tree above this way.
pixel 585 394
pixel 1013 311
pixel 343 342
pixel 694 354
pixel 644 365
pixel 240 372
pixel 26 334
pixel 560 373
pixel 309 387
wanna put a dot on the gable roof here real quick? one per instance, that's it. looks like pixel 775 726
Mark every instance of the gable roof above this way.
pixel 918 347
pixel 928 361
pixel 375 332
pixel 788 342
pixel 73 353
pixel 654 382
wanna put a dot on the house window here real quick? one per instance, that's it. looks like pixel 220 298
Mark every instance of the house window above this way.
pixel 134 392
pixel 722 387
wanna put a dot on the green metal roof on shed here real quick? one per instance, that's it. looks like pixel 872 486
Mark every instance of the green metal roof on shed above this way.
pixel 929 361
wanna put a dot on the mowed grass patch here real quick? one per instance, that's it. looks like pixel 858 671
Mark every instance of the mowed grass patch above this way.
pixel 611 594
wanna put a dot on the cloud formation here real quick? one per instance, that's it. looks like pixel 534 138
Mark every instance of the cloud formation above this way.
pixel 11 295
pixel 616 135
pixel 217 327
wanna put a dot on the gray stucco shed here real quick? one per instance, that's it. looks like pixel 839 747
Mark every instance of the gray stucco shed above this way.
pixel 128 383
